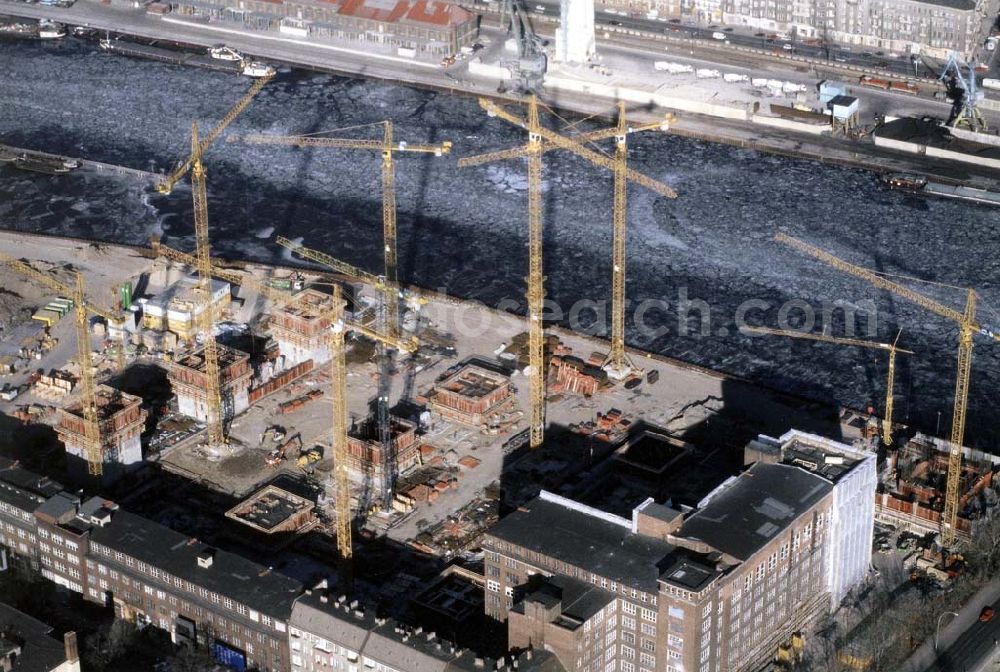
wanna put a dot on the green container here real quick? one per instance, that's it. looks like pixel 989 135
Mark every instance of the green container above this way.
pixel 125 293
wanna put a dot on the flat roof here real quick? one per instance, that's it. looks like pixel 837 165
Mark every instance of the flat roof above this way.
pixel 751 509
pixel 230 574
pixel 40 652
pixel 586 541
pixel 580 600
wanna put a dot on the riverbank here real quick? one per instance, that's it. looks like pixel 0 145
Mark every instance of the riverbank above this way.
pixel 349 62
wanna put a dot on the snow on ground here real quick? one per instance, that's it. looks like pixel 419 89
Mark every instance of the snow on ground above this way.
pixel 464 231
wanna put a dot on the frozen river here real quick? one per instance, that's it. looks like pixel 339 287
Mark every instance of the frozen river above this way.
pixel 464 231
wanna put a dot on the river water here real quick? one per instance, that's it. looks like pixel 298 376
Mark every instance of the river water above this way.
pixel 464 231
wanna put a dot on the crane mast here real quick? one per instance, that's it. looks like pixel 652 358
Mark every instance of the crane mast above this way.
pixel 215 420
pixel 91 430
pixel 536 281
pixel 338 393
pixel 892 349
pixel 388 286
pixel 541 140
pixel 618 363
pixel 967 327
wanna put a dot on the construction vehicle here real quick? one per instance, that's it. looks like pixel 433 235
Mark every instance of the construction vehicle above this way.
pixel 389 305
pixel 541 139
pixel 278 455
pixel 166 185
pixel 309 457
pixel 892 348
pixel 967 327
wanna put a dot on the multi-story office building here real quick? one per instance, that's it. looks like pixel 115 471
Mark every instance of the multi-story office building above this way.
pixel 715 588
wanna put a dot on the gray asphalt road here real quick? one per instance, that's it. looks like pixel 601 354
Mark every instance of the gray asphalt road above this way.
pixel 975 651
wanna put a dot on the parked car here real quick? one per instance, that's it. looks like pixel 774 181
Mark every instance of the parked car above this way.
pixel 986 615
pixel 718 36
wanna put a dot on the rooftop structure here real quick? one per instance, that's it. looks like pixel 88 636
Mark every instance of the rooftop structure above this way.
pixel 122 420
pixel 272 510
pixel 471 395
pixel 188 379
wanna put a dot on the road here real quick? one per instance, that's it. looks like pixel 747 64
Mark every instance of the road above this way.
pixel 456 79
pixel 976 650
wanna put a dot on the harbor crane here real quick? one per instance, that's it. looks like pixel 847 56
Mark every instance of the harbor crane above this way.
pixel 966 93
pixel 93 447
pixel 166 185
pixel 891 348
pixel 967 328
pixel 541 139
pixel 529 63
pixel 389 285
pixel 206 320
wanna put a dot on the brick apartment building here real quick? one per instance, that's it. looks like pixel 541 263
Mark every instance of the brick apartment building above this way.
pixel 148 572
pixel 715 588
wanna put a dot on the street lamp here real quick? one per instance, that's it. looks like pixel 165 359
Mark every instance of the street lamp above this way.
pixel 938 628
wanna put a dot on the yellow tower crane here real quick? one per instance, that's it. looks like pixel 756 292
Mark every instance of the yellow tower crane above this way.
pixel 967 327
pixel 891 348
pixel 540 140
pixel 389 147
pixel 206 320
pixel 92 433
pixel 338 370
pixel 166 185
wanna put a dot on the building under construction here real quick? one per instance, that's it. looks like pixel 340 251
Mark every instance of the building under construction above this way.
pixel 274 511
pixel 121 419
pixel 912 492
pixel 175 305
pixel 303 334
pixel 188 379
pixel 471 395
pixel 364 450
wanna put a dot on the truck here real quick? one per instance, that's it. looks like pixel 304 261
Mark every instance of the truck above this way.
pixel 707 73
pixel 672 68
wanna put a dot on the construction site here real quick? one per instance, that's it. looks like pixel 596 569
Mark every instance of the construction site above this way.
pixel 344 426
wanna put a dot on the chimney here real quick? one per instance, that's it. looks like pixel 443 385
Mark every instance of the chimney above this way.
pixel 72 651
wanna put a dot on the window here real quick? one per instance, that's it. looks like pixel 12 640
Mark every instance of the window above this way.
pixel 649 615
pixel 628 623
pixel 675 612
pixel 493 586
pixel 628 652
pixel 629 608
pixel 675 642
pixel 647 660
pixel 648 629
pixel 648 645
pixel 627 666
